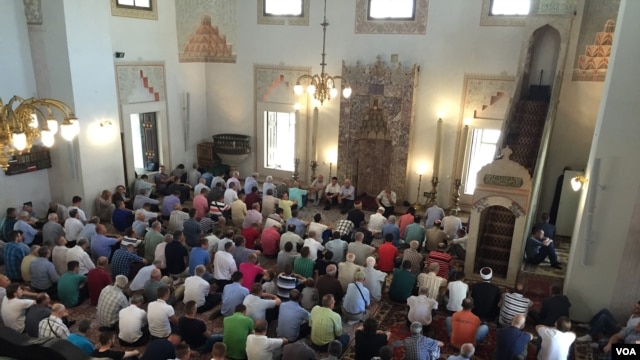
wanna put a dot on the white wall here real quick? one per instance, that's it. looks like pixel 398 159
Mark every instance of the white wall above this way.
pixel 17 77
pixel 597 247
pixel 455 43
pixel 150 40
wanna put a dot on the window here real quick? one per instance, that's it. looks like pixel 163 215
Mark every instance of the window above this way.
pixel 136 4
pixel 509 7
pixel 139 9
pixel 283 8
pixel 283 12
pixel 280 135
pixel 392 10
pixel 483 151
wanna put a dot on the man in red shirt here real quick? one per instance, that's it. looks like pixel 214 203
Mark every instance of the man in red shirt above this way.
pixel 441 258
pixel 98 279
pixel 252 236
pixel 406 220
pixel 252 197
pixel 387 254
pixel 270 241
pixel 464 326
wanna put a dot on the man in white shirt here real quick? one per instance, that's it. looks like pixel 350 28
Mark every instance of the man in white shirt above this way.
pixel 360 249
pixel 75 204
pixel 144 275
pixel 260 305
pixel 234 180
pixel 198 289
pixel 161 315
pixel 230 195
pixel 451 224
pixel 224 265
pixel 260 347
pixel 291 236
pixel 14 307
pixel 132 321
pixel 387 200
pixel 373 279
pixel 555 341
pixel 79 253
pixel 73 225
pixel 331 193
pixel 317 227
pixel 377 221
pixel 421 308
pixel 347 196
pixel 313 245
pixel 317 189
pixel 458 291
pixel 202 184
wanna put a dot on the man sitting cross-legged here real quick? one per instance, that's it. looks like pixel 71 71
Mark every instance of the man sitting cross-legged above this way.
pixel 418 345
pixel 539 247
pixel 110 302
pixel 326 324
pixel 194 331
pixel 161 316
pixel 261 305
pixel 105 350
pixel 236 329
pixel 133 323
pixel 260 347
pixel 233 294
pixel 356 300
pixel 198 289
pixel 293 319
pixel 464 326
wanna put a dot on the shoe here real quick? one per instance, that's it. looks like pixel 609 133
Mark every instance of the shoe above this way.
pixel 586 338
pixel 556 266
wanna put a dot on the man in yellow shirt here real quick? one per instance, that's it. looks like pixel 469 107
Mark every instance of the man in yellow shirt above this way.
pixel 326 324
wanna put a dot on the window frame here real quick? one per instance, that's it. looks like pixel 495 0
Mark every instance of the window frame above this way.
pixel 266 14
pixel 136 12
pixel 487 19
pixel 134 6
pixel 415 26
pixel 293 20
pixel 411 18
pixel 265 132
pixel 468 154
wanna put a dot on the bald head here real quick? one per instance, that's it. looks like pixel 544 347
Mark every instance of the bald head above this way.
pixel 156 274
pixel 518 321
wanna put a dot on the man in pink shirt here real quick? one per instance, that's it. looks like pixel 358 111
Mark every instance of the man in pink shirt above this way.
pixel 406 220
pixel 250 270
pixel 201 204
pixel 270 241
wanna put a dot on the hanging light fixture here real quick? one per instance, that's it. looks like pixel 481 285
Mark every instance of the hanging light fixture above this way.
pixel 20 125
pixel 322 86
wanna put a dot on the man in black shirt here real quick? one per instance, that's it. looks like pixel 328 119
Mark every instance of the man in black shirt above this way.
pixel 162 348
pixel 486 296
pixel 552 308
pixel 194 331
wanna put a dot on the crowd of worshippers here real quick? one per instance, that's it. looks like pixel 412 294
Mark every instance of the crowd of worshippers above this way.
pixel 209 258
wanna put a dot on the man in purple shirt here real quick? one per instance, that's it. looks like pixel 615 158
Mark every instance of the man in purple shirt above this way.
pixel 169 202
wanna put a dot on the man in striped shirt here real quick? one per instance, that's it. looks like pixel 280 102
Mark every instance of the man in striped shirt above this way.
pixel 441 258
pixel 512 304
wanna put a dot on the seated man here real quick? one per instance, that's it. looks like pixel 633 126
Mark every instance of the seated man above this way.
pixel 419 346
pixel 465 327
pixel 156 281
pixel 326 324
pixel 14 307
pixel 160 315
pixel 71 286
pixel 121 218
pixel 512 304
pixel 34 314
pixel 259 346
pixel 511 340
pixel 346 197
pixel 387 201
pixel 316 189
pixel 260 305
pixel 165 348
pixel 328 284
pixel 236 329
pixel 98 279
pixel 105 349
pixel 52 326
pixel 331 193
pixel 110 302
pixel 436 284
pixel 104 207
pixel 555 341
pixel 374 279
pixel 402 283
pixel 628 335
pixel 133 323
pixel 44 277
pixel 539 247
pixel 391 228
pixel 233 294
pixel 293 319
pixel 604 322
pixel 486 296
pixel 80 338
pixel 552 308
pixel 122 260
pixel 421 308
pixel 347 271
pixel 356 300
pixel 198 289
pixel 194 331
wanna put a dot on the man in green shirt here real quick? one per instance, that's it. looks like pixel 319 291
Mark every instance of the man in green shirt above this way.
pixel 403 283
pixel 71 286
pixel 415 232
pixel 236 329
pixel 303 265
pixel 326 325
pixel 151 240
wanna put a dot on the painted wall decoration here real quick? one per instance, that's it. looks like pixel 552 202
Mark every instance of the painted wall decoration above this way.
pixel 33 11
pixel 596 38
pixel 487 96
pixel 207 30
pixel 140 83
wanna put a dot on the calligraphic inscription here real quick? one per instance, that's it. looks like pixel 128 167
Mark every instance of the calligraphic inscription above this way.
pixel 500 180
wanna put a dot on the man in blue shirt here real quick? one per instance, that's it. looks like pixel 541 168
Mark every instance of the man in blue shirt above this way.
pixel 14 251
pixel 233 294
pixel 199 256
pixel 80 339
pixel 539 247
pixel 301 226
pixel 293 319
pixel 356 300
pixel 43 274
pixel 391 228
pixel 23 225
pixel 433 213
pixel 512 341
pixel 8 223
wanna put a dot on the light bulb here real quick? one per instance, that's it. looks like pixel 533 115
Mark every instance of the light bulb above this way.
pixel 311 89
pixel 34 121
pixel 297 89
pixel 576 183
pixel 67 131
pixel 19 141
pixel 76 126
pixel 346 92
pixel 52 124
pixel 333 92
pixel 47 138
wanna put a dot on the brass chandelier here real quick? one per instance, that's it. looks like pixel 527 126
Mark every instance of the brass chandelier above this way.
pixel 20 125
pixel 322 86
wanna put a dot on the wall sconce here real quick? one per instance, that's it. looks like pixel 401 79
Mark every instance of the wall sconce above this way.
pixel 104 123
pixel 577 182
